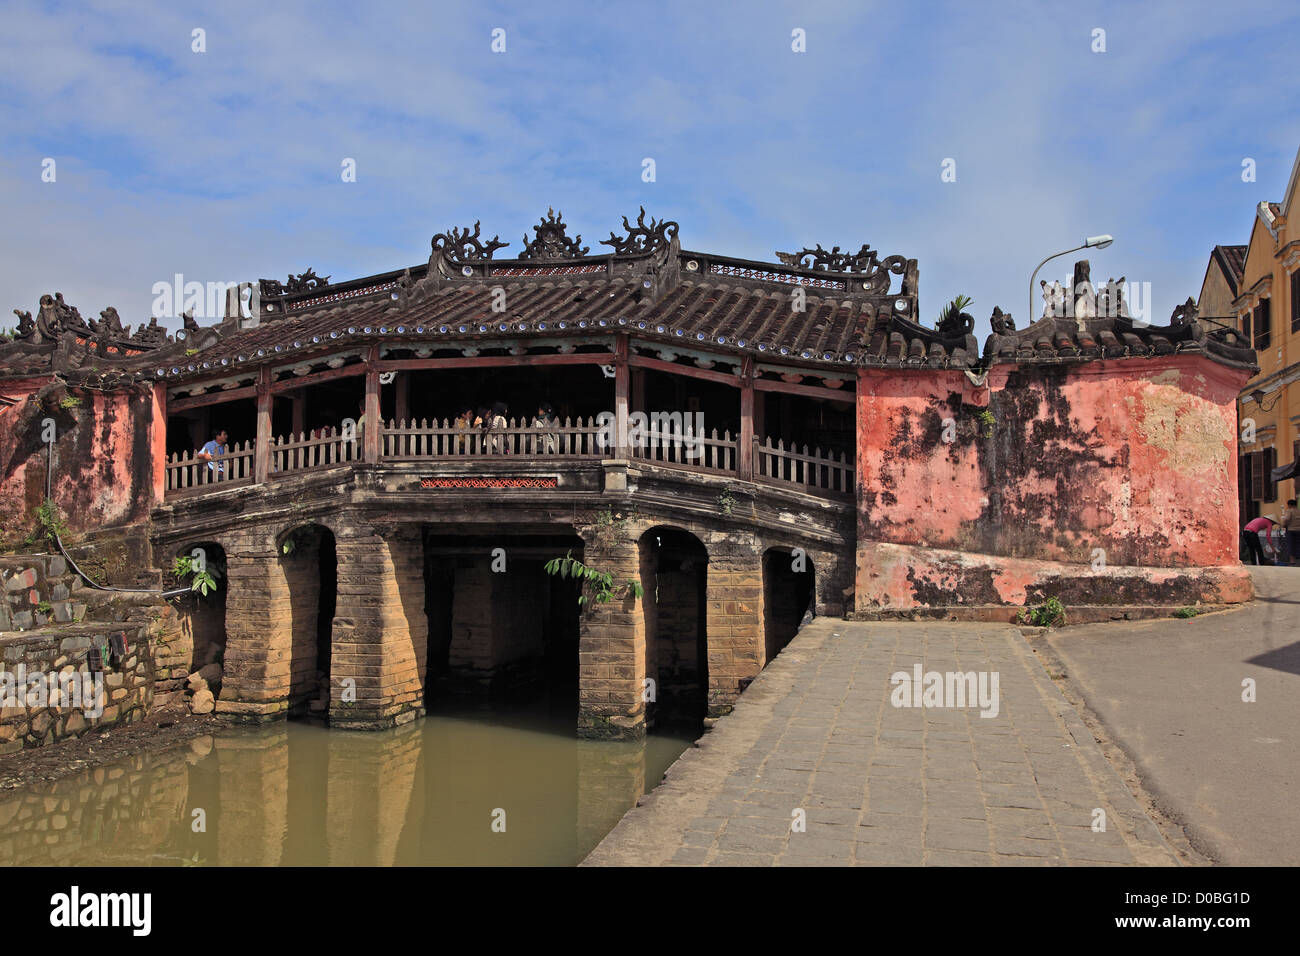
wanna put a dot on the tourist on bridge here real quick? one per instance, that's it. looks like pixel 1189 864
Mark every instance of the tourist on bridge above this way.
pixel 545 418
pixel 214 450
pixel 1253 545
pixel 497 423
pixel 464 422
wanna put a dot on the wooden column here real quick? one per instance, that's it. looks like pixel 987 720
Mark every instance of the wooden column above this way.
pixel 299 401
pixel 621 391
pixel 370 435
pixel 262 451
pixel 745 453
pixel 402 383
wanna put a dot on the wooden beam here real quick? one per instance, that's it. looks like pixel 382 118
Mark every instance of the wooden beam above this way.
pixel 745 446
pixel 212 398
pixel 299 412
pixel 809 391
pixel 315 378
pixel 262 450
pixel 642 361
pixel 496 361
pixel 370 434
pixel 621 391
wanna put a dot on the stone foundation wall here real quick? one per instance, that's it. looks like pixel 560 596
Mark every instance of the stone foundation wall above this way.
pixel 128 687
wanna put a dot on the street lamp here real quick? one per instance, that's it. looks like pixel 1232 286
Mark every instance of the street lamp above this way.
pixel 1092 242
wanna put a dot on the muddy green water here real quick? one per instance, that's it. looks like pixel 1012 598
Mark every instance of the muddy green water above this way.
pixel 301 795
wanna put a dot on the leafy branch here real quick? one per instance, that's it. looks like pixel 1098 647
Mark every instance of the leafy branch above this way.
pixel 204 581
pixel 570 568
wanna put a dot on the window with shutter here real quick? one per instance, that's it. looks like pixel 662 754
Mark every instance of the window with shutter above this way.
pixel 1256 476
pixel 1295 301
pixel 1263 326
pixel 1245 326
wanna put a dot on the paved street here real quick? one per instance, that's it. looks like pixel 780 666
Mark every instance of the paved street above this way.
pixel 880 784
pixel 1169 692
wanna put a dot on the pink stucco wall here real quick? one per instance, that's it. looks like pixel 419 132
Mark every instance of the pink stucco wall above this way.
pixel 109 456
pixel 1119 463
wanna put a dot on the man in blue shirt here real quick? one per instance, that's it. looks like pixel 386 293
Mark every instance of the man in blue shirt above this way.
pixel 213 450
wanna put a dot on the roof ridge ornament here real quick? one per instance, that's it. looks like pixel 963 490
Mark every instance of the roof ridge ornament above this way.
pixel 460 245
pixel 865 262
pixel 642 239
pixel 303 282
pixel 551 241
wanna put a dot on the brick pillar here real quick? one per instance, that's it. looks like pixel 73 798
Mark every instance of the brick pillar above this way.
pixel 612 648
pixel 737 647
pixel 380 646
pixel 259 635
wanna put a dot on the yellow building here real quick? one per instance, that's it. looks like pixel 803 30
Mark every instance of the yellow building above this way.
pixel 1267 311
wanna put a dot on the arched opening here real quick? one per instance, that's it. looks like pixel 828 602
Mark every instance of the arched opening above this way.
pixel 788 589
pixel 674 576
pixel 203 615
pixel 309 559
pixel 501 629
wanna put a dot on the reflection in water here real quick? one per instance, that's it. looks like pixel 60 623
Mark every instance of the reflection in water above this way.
pixel 298 794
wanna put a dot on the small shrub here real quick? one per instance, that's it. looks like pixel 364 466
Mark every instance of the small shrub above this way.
pixel 69 401
pixel 1051 613
pixel 1186 612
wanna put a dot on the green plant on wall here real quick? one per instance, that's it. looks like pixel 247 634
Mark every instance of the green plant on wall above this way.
pixel 48 524
pixel 612 525
pixel 987 421
pixel 69 401
pixel 205 581
pixel 1051 613
pixel 570 568
pixel 727 502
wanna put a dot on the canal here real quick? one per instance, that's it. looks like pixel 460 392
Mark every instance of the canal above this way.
pixel 455 788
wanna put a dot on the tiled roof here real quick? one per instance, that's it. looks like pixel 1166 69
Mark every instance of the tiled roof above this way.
pixel 1232 261
pixel 1097 328
pixel 816 309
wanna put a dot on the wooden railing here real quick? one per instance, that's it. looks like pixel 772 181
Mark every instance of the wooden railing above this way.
pixel 187 473
pixel 683 448
pixel 825 474
pixel 408 441
pixel 311 451
pixel 815 472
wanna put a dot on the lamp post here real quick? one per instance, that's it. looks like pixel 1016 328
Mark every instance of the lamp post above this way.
pixel 1092 242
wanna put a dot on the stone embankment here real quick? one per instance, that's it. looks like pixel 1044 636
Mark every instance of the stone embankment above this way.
pixel 52 623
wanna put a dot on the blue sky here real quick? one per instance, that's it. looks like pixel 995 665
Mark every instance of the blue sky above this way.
pixel 225 165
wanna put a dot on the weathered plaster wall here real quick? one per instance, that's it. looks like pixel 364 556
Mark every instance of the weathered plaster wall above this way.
pixel 1135 458
pixel 109 457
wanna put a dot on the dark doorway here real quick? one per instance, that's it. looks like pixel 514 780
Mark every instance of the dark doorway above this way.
pixel 788 588
pixel 674 572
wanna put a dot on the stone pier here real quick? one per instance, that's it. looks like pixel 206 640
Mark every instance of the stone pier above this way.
pixel 737 645
pixel 612 646
pixel 380 645
pixel 259 632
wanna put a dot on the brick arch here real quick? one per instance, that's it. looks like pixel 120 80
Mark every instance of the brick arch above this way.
pixel 674 579
pixel 310 571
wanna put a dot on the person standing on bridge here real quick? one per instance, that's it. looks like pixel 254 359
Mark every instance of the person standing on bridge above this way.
pixel 213 451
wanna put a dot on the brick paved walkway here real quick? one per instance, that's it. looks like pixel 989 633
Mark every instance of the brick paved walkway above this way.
pixel 888 785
